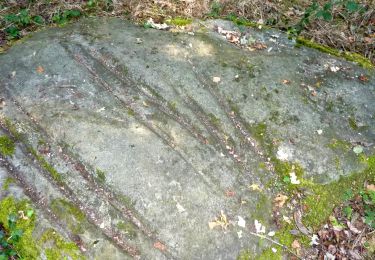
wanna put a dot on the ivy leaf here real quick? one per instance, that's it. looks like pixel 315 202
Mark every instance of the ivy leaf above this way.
pixel 29 213
pixel 352 6
pixel 71 13
pixel 327 16
pixel 286 179
pixel 38 19
pixel 12 18
pixel 13 32
pixel 16 234
pixel 327 6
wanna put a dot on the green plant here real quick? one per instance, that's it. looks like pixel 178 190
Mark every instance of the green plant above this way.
pixel 62 18
pixel 16 22
pixel 216 10
pixel 101 175
pixel 368 198
pixel 16 225
pixel 325 12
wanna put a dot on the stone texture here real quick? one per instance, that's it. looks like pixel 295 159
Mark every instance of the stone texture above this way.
pixel 171 143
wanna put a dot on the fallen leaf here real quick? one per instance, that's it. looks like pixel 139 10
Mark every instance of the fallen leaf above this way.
pixel 296 244
pixel 287 219
pixel 150 22
pixel 280 200
pixel 370 187
pixel 145 104
pixel 363 78
pixel 367 40
pixel 241 222
pixel 285 81
pixel 160 246
pixel 230 193
pixel 221 221
pixel 334 68
pixel 259 46
pixel 216 79
pixel 314 240
pixel 255 187
pixel 352 228
pixel 40 69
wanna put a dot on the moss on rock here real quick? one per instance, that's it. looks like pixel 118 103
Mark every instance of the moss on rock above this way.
pixel 7 146
pixel 60 249
pixel 355 57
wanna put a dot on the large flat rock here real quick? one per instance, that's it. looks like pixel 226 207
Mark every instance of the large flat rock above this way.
pixel 151 147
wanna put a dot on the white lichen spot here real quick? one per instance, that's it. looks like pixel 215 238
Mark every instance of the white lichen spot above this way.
pixel 259 228
pixel 241 222
pixel 284 153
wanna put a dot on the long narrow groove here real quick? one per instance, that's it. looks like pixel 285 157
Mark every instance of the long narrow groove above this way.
pixel 163 136
pixel 159 102
pixel 39 201
pixel 91 216
pixel 99 189
pixel 213 130
pixel 236 119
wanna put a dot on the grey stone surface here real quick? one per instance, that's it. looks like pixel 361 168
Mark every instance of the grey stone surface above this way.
pixel 141 106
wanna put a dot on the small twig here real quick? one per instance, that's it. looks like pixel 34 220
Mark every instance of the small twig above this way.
pixel 276 243
pixel 358 238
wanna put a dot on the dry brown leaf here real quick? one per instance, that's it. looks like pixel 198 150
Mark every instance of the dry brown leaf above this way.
pixel 367 40
pixel 230 193
pixel 160 246
pixel 40 69
pixel 363 78
pixel 280 200
pixel 285 81
pixel 259 46
pixel 221 221
pixel 370 187
pixel 255 187
pixel 296 244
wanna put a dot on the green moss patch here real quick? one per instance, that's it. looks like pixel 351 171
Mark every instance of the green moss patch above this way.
pixel 101 176
pixel 72 215
pixel 59 248
pixel 7 182
pixel 127 228
pixel 7 146
pixel 179 21
pixel 359 59
pixel 45 165
pixel 325 197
